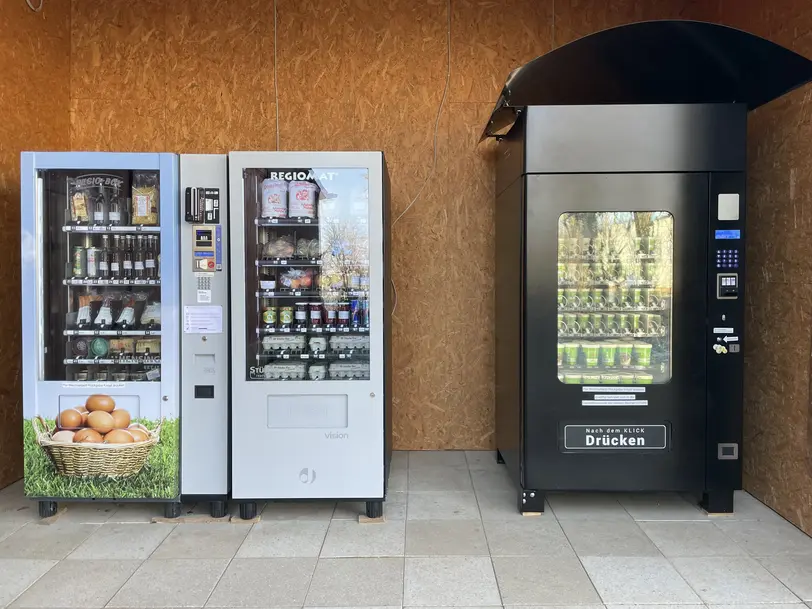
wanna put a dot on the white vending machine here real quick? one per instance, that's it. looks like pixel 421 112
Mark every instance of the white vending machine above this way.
pixel 310 340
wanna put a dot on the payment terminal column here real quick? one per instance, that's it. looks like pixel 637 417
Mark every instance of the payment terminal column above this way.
pixel 725 340
pixel 205 395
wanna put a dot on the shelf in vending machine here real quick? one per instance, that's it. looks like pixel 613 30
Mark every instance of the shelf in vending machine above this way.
pixel 632 283
pixel 102 282
pixel 612 310
pixel 112 333
pixel 606 336
pixel 313 330
pixel 286 222
pixel 292 261
pixel 101 229
pixel 288 294
pixel 124 361
pixel 323 355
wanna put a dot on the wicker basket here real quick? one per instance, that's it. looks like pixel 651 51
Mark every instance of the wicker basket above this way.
pixel 84 460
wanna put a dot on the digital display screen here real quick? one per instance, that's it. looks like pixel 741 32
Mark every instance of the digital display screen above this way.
pixel 728 234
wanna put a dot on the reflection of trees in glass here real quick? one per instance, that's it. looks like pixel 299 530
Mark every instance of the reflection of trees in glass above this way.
pixel 344 254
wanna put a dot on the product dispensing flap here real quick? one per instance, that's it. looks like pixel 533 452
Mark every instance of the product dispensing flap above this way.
pixel 653 62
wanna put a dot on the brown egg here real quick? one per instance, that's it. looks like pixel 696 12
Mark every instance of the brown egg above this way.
pixel 63 437
pixel 138 426
pixel 119 436
pixel 121 418
pixel 80 408
pixel 101 421
pixel 100 402
pixel 87 436
pixel 139 435
pixel 70 419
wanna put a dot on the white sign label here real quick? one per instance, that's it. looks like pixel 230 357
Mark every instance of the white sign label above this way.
pixel 616 396
pixel 723 330
pixel 203 320
pixel 614 402
pixel 612 389
pixel 204 296
pixel 92 385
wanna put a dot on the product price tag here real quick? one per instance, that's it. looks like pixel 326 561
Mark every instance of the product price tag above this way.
pixel 304 356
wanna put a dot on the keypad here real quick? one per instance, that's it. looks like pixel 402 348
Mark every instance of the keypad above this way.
pixel 727 259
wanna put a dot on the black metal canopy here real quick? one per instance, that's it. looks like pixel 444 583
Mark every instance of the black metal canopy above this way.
pixel 654 62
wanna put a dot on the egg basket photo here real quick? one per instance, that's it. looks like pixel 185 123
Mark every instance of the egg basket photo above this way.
pixel 95 459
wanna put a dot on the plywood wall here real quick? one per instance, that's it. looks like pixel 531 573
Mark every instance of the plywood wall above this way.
pixel 206 76
pixel 778 416
pixel 34 53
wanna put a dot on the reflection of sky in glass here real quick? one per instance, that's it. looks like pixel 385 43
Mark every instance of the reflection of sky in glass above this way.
pixel 344 230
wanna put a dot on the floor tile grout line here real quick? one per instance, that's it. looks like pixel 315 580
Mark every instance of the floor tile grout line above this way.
pixel 28 587
pixel 219 579
pixel 143 562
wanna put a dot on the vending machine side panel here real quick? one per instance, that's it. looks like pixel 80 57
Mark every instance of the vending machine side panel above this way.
pixel 205 395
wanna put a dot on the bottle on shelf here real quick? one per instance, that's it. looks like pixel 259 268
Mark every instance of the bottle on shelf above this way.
pixel 149 257
pixel 267 279
pixel 92 258
pixel 127 257
pixel 115 258
pixel 99 207
pixel 138 258
pixel 114 213
pixel 103 257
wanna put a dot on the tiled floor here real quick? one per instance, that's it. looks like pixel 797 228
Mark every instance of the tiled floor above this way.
pixel 452 538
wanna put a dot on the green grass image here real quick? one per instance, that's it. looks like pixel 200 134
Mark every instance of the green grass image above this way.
pixel 158 479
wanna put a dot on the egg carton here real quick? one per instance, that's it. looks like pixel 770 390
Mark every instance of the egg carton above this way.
pixel 349 370
pixel 283 342
pixel 293 371
pixel 349 341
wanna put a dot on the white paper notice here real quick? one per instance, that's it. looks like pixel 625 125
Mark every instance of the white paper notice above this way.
pixel 203 320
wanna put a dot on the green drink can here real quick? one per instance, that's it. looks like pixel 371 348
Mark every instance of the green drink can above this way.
pixel 598 301
pixel 624 354
pixel 608 353
pixel 560 354
pixel 598 327
pixel 571 298
pixel 623 297
pixel 591 352
pixel 643 379
pixel 623 325
pixel 634 322
pixel 610 297
pixel 561 299
pixel 571 354
pixel 592 378
pixel 561 326
pixel 571 323
pixel 641 354
pixel 583 323
pixel 572 378
pixel 584 298
pixel 636 296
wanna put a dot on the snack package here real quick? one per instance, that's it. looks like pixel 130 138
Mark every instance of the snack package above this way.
pixel 274 199
pixel 281 247
pixel 151 315
pixel 145 198
pixel 121 347
pixel 297 279
pixel 104 318
pixel 148 347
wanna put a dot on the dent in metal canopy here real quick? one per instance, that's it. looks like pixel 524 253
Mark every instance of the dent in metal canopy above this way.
pixel 653 62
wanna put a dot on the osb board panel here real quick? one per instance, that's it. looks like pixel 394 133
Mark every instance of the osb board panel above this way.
pixel 207 91
pixel 778 422
pixel 34 107
pixel 577 18
pixel 443 269
pixel 490 38
pixel 126 125
pixel 117 49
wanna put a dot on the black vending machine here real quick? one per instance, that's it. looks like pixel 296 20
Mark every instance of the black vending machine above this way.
pixel 620 253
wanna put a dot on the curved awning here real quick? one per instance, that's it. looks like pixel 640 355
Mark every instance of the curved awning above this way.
pixel 654 62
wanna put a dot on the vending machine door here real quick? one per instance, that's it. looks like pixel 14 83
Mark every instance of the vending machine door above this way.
pixel 307 280
pixel 616 279
pixel 100 311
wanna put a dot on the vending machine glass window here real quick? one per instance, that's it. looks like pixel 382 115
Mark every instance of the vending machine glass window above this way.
pixel 102 276
pixel 615 280
pixel 307 280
